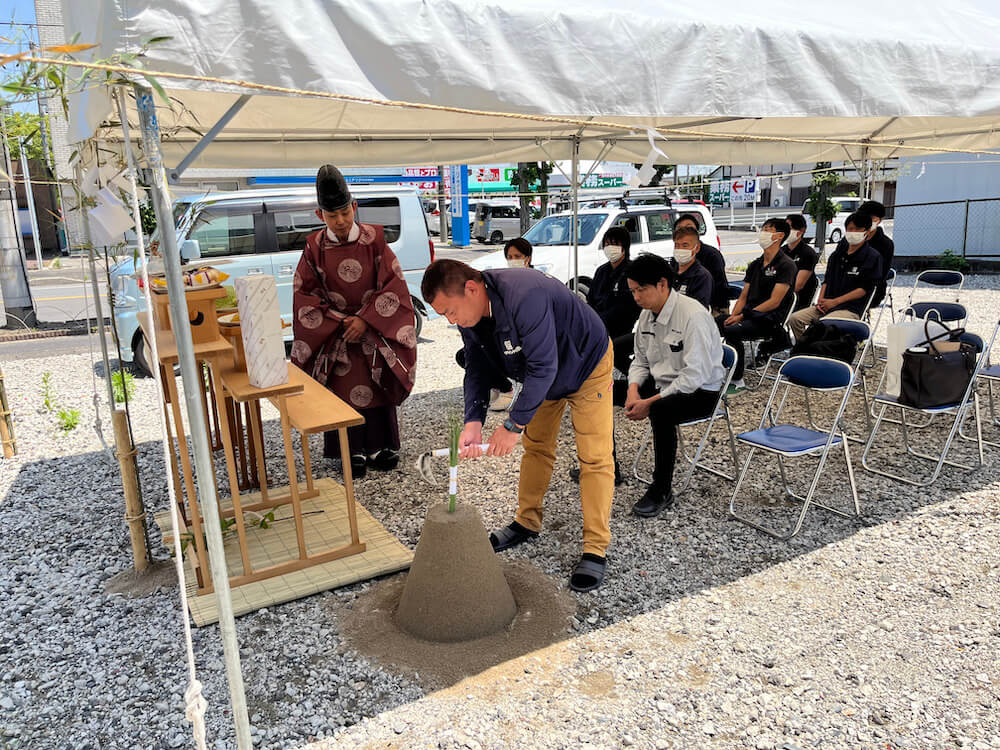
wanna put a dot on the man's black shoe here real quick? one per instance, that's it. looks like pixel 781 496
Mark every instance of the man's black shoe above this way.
pixel 653 502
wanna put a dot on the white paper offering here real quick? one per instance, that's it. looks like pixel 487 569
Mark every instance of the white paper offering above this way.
pixel 108 219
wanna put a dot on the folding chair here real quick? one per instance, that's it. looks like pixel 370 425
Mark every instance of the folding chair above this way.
pixel 957 411
pixel 721 411
pixel 940 279
pixel 775 357
pixel 990 375
pixel 945 312
pixel 862 334
pixel 786 440
pixel 881 307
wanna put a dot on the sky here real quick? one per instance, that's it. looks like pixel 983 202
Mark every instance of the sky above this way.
pixel 16 30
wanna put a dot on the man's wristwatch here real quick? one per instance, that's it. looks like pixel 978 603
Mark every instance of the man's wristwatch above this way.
pixel 511 427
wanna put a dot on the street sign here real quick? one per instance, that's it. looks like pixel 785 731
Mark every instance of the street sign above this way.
pixel 718 191
pixel 743 189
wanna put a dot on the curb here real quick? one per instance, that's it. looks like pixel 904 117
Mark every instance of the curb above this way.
pixel 50 334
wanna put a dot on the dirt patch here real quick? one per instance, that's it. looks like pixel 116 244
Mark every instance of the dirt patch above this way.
pixel 161 574
pixel 543 613
pixel 455 590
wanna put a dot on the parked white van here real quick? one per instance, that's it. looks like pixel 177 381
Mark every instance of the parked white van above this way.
pixel 264 232
pixel 650 227
pixel 497 221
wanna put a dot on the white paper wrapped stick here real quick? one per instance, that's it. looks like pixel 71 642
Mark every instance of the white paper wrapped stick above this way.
pixel 424 466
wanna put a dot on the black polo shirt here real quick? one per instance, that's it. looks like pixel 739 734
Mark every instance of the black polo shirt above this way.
pixel 761 280
pixel 712 260
pixel 696 283
pixel 610 297
pixel 805 257
pixel 846 271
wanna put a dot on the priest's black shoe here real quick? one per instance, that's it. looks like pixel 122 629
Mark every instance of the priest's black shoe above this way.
pixel 653 502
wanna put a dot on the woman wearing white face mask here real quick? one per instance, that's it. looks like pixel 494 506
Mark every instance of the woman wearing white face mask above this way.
pixel 798 249
pixel 518 253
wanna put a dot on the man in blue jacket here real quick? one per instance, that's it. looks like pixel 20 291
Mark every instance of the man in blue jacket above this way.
pixel 536 331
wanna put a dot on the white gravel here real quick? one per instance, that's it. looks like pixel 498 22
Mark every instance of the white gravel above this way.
pixel 878 633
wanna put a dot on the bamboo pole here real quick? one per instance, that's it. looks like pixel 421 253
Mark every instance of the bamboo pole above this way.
pixel 134 514
pixel 6 423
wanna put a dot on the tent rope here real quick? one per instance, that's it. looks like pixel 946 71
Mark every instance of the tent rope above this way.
pixel 550 119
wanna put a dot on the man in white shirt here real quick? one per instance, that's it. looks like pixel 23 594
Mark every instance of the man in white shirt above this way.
pixel 676 373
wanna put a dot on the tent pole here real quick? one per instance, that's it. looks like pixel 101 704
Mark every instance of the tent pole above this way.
pixel 575 172
pixel 191 376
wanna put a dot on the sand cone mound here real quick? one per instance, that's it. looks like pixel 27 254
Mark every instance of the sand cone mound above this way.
pixel 456 589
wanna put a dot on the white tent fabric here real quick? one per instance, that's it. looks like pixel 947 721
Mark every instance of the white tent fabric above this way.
pixel 918 73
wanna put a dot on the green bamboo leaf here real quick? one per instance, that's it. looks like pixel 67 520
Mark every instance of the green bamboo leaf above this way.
pixel 158 40
pixel 158 88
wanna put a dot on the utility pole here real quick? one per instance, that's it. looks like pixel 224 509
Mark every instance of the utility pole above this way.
pixel 19 308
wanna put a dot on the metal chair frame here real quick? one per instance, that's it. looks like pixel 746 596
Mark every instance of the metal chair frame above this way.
pixel 790 377
pixel 719 411
pixel 958 410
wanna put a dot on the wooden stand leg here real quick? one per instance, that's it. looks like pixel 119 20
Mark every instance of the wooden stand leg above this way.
pixel 256 430
pixel 345 456
pixel 182 449
pixel 245 417
pixel 178 486
pixel 234 482
pixel 293 479
pixel 236 432
pixel 307 462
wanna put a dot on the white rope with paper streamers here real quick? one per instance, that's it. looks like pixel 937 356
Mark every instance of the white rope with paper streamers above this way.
pixel 194 703
pixel 646 170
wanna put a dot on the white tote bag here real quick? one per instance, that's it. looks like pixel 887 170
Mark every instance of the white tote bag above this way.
pixel 901 336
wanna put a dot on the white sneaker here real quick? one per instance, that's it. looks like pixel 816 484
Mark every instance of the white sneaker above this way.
pixel 501 401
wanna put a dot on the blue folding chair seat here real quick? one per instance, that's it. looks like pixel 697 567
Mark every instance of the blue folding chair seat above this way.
pixel 786 440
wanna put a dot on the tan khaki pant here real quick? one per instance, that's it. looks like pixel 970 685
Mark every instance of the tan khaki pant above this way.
pixel 590 409
pixel 805 317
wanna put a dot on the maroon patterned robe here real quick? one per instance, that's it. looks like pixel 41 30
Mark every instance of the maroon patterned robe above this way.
pixel 362 278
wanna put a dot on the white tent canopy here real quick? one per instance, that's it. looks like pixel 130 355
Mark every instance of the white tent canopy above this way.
pixel 747 83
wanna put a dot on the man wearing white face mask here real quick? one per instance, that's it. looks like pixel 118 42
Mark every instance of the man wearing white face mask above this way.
pixel 693 280
pixel 798 249
pixel 765 299
pixel 851 274
pixel 884 246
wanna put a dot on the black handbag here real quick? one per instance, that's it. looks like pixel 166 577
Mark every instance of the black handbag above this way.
pixel 822 340
pixel 936 372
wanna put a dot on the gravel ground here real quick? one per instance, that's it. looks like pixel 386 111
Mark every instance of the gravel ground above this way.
pixel 881 632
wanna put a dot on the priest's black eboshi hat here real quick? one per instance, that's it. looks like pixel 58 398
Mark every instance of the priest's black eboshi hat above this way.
pixel 332 193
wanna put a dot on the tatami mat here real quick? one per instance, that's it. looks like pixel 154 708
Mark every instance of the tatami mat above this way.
pixel 326 526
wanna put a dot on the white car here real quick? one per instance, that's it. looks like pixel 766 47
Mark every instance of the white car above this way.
pixel 651 229
pixel 846 205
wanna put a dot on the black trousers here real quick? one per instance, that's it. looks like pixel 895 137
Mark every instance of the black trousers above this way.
pixel 623 346
pixel 380 430
pixel 750 329
pixel 664 416
pixel 497 379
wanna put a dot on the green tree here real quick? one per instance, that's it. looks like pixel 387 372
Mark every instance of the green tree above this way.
pixel 26 127
pixel 531 178
pixel 818 204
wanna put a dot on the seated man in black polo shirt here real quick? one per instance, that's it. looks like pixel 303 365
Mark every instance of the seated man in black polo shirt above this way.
pixel 692 279
pixel 711 258
pixel 879 242
pixel 798 249
pixel 760 311
pixel 852 272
